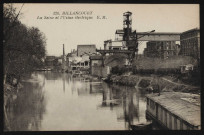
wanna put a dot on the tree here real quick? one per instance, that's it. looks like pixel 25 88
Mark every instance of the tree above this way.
pixel 23 47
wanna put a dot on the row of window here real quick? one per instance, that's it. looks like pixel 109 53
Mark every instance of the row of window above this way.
pixel 189 52
pixel 190 40
pixel 159 54
pixel 171 121
pixel 188 46
pixel 192 34
pixel 166 47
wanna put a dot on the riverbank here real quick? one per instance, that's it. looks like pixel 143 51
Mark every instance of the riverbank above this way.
pixel 10 95
pixel 153 83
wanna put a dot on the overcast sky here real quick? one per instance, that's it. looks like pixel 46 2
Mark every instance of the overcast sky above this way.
pixel 72 32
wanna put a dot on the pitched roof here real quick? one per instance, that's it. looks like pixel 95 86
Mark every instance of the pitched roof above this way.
pixel 81 46
pixel 96 57
pixel 191 30
pixel 184 105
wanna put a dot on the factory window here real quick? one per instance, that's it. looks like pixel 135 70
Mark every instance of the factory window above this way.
pixel 188 127
pixel 170 121
pixel 184 126
pixel 181 125
pixel 175 123
pixel 165 117
pixel 161 114
pixel 86 63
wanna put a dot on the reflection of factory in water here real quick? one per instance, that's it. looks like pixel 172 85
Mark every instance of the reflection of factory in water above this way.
pixel 85 86
pixel 126 102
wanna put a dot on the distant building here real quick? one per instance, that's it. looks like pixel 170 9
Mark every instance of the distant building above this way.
pixel 71 56
pixel 96 60
pixel 59 60
pixel 190 43
pixel 49 61
pixel 79 63
pixel 53 62
pixel 113 45
pixel 86 49
pixel 97 68
pixel 161 49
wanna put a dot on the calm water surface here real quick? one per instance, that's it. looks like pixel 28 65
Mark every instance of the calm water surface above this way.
pixel 57 101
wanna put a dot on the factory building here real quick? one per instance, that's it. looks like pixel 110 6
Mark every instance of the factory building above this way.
pixel 161 49
pixel 114 45
pixel 86 50
pixel 190 43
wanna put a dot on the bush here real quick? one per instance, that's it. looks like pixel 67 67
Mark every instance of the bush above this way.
pixel 119 70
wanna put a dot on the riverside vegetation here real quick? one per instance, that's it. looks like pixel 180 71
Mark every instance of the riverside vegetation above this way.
pixel 158 74
pixel 23 51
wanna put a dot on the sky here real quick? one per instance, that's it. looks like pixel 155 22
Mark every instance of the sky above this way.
pixel 73 32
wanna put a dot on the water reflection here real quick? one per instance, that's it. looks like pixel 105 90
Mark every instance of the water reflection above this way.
pixel 129 100
pixel 60 101
pixel 26 111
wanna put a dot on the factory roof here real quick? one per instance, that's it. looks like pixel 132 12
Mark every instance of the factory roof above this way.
pixel 120 31
pixel 159 33
pixel 191 30
pixel 96 57
pixel 184 105
pixel 90 45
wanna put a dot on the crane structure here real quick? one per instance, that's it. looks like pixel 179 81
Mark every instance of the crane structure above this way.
pixel 129 39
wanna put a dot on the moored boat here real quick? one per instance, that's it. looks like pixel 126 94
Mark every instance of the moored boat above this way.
pixel 142 126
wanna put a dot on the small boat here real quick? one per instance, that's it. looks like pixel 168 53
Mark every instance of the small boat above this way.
pixel 142 126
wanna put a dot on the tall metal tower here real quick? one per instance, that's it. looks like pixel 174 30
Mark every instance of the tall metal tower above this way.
pixel 127 25
pixel 129 36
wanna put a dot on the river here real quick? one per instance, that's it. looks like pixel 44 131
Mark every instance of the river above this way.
pixel 52 101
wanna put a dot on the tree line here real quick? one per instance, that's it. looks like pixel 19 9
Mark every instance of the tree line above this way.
pixel 23 47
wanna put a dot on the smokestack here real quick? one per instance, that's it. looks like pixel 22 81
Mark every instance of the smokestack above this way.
pixel 63 50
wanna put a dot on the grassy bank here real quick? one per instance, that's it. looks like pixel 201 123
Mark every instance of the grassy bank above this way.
pixel 153 82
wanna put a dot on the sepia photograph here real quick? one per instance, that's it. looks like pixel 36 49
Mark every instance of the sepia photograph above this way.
pixel 101 67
